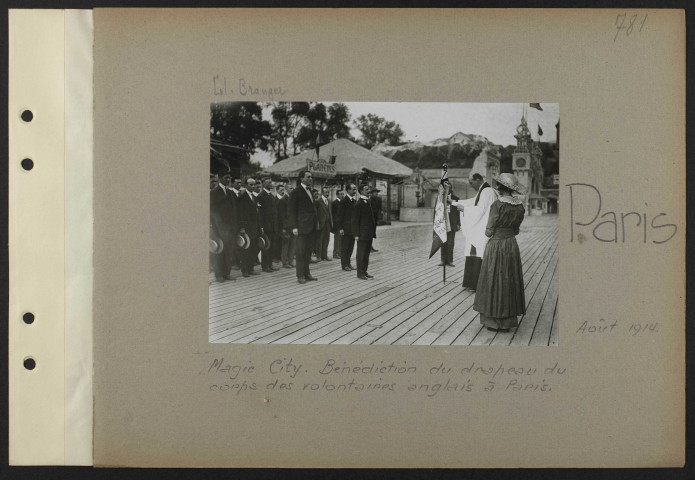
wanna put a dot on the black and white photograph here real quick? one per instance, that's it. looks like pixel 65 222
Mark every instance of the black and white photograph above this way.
pixel 384 223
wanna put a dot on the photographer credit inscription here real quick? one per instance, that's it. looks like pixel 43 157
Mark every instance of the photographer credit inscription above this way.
pixel 222 86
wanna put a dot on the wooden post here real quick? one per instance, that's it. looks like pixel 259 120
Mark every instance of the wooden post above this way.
pixel 388 201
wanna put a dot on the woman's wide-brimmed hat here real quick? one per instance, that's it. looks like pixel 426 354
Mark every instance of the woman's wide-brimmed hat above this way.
pixel 510 181
pixel 243 241
pixel 216 245
pixel 263 242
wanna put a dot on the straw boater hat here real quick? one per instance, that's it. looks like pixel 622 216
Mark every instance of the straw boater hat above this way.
pixel 263 242
pixel 510 181
pixel 243 241
pixel 216 244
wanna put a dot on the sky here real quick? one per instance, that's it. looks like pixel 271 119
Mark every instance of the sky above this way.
pixel 425 122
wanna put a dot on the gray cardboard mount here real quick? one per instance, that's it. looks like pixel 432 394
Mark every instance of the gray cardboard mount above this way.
pixel 620 402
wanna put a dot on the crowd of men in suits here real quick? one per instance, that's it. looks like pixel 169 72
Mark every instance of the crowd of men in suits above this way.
pixel 288 225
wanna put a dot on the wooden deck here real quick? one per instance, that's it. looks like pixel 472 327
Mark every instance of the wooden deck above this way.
pixel 406 304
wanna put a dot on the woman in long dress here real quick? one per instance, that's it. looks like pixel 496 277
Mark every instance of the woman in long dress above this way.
pixel 499 297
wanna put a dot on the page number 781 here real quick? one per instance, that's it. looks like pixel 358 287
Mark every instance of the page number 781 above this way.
pixel 628 24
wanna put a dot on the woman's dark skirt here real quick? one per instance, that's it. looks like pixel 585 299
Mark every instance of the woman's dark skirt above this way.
pixel 499 297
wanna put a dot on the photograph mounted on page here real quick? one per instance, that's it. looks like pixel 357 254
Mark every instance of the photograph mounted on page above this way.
pixel 322 215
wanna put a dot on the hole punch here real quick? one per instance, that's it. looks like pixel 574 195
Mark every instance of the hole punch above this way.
pixel 28 318
pixel 27 116
pixel 27 164
pixel 29 363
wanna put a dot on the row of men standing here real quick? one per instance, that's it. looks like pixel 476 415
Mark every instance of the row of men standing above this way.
pixel 255 211
pixel 351 217
pixel 250 210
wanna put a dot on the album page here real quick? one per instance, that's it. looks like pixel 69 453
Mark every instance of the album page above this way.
pixel 535 320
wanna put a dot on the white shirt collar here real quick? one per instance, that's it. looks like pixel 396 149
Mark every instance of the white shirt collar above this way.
pixel 267 191
pixel 279 196
pixel 236 192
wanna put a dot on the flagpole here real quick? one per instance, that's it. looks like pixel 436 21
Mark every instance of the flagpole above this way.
pixel 446 244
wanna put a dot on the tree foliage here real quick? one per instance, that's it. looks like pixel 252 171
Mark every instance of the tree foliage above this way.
pixel 288 119
pixel 376 129
pixel 240 124
pixel 298 126
pixel 338 121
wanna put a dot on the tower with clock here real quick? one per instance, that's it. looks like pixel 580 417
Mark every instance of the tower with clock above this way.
pixel 522 156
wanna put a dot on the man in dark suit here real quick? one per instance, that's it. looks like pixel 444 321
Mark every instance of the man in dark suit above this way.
pixel 301 213
pixel 335 204
pixel 344 226
pixel 224 222
pixel 235 188
pixel 314 252
pixel 266 200
pixel 364 228
pixel 282 227
pixel 375 203
pixel 249 223
pixel 325 219
pixel 216 260
pixel 226 181
pixel 447 250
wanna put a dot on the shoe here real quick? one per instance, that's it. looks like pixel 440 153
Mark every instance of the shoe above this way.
pixel 374 250
pixel 327 259
pixel 441 264
pixel 309 278
pixel 266 270
pixel 492 329
pixel 347 269
pixel 274 269
pixel 362 277
pixel 368 275
pixel 286 265
pixel 229 277
pixel 219 279
pixel 301 280
pixel 336 256
pixel 351 267
pixel 313 261
pixel 252 272
pixel 503 330
pixel 246 275
pixel 450 265
pixel 236 268
pixel 292 265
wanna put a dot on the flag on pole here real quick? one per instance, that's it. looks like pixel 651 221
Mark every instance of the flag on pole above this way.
pixel 537 106
pixel 540 130
pixel 440 225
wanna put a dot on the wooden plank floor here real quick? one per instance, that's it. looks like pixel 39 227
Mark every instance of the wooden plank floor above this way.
pixel 406 304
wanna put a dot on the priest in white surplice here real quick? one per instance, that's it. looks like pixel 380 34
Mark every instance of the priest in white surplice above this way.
pixel 476 211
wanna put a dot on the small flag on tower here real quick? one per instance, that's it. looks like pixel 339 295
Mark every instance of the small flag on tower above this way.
pixel 537 106
pixel 540 131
